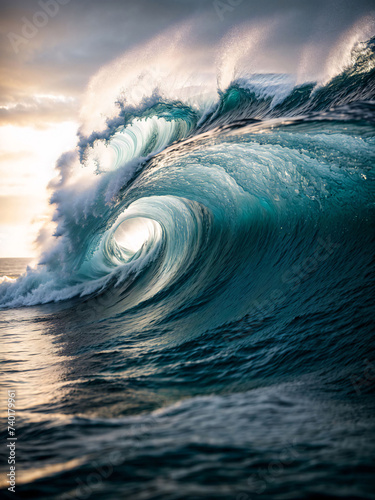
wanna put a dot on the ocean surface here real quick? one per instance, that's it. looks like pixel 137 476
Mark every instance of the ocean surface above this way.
pixel 201 325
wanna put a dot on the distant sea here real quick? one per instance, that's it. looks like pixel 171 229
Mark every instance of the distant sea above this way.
pixel 12 267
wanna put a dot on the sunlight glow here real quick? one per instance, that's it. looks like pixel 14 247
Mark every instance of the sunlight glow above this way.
pixel 133 233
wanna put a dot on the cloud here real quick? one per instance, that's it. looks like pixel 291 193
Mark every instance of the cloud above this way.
pixel 39 111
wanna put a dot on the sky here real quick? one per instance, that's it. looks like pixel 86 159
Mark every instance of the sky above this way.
pixel 51 50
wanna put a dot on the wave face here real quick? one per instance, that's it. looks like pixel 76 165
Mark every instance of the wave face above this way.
pixel 223 247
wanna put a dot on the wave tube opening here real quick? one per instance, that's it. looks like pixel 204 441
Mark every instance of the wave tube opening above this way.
pixel 132 234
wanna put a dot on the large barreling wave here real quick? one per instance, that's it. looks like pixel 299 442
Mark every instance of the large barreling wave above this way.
pixel 194 197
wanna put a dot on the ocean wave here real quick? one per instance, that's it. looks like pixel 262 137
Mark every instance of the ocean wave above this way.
pixel 174 198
